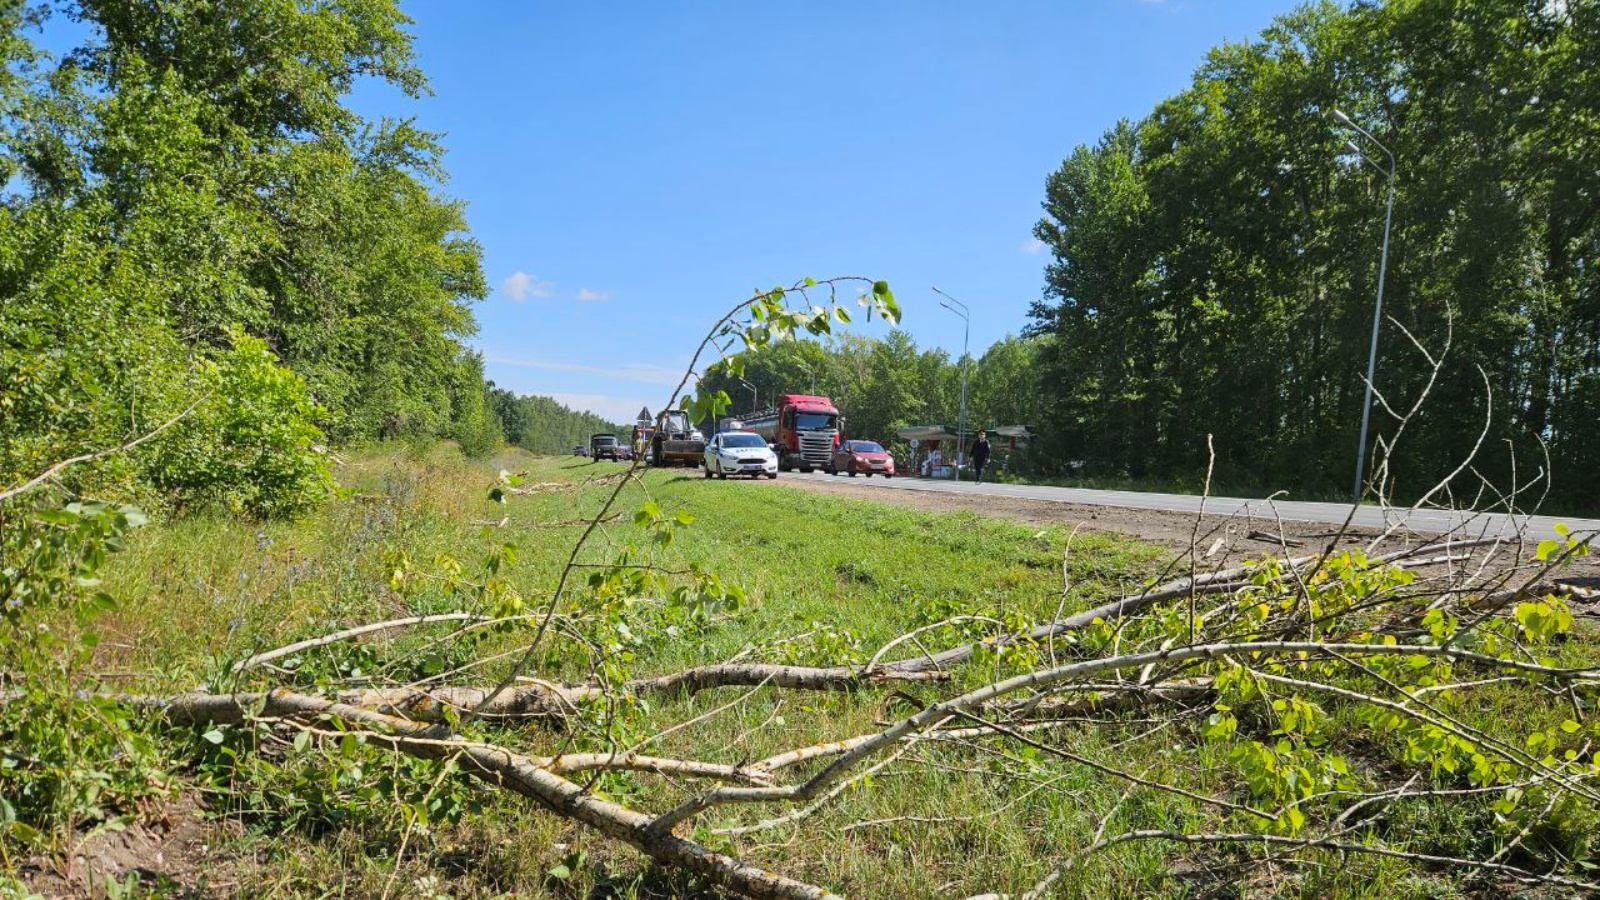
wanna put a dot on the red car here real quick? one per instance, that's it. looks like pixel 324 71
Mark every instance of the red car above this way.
pixel 861 456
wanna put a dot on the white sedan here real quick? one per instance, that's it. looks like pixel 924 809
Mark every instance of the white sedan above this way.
pixel 739 453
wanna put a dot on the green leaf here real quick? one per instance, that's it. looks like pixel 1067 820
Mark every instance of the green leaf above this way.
pixel 214 736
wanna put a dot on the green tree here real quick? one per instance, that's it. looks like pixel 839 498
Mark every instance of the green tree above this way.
pixel 1214 263
pixel 191 176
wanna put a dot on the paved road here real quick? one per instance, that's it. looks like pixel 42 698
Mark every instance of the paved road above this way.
pixel 1431 520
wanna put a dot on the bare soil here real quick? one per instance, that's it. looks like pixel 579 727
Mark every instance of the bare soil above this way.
pixel 169 847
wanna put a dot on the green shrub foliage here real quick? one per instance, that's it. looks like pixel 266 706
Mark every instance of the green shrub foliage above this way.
pixel 181 225
pixel 253 444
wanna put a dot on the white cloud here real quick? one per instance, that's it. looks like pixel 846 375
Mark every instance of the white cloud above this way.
pixel 590 295
pixel 1033 246
pixel 520 286
pixel 608 406
pixel 644 373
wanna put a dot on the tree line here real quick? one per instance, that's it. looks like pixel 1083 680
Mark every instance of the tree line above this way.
pixel 542 425
pixel 193 215
pixel 1213 269
pixel 880 386
pixel 1214 263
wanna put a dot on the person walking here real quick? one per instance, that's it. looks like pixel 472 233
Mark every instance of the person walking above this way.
pixel 980 454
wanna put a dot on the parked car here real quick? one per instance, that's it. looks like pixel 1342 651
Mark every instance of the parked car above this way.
pixel 861 456
pixel 581 450
pixel 739 453
pixel 604 445
pixel 625 453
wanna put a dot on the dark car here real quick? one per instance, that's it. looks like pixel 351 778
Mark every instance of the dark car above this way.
pixel 861 456
pixel 580 450
pixel 605 446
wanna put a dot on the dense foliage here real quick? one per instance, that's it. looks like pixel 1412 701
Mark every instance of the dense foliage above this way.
pixel 1214 263
pixel 543 425
pixel 880 386
pixel 195 213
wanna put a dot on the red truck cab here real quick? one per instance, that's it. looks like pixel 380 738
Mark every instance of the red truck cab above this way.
pixel 802 429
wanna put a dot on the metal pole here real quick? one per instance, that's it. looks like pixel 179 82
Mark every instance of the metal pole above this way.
pixel 966 333
pixel 961 426
pixel 1377 307
pixel 1372 353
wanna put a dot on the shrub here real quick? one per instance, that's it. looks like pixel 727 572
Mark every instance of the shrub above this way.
pixel 253 445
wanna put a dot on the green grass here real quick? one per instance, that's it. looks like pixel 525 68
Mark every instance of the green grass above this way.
pixel 1193 488
pixel 838 577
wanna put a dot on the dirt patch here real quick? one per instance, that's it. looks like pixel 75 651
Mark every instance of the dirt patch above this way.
pixel 169 847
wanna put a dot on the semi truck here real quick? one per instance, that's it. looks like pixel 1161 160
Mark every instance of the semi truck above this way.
pixel 676 441
pixel 803 430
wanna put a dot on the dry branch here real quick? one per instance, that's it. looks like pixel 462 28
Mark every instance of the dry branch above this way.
pixel 528 776
pixel 347 634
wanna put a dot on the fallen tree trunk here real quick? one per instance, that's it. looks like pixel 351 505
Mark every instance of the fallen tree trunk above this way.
pixel 543 700
pixel 512 771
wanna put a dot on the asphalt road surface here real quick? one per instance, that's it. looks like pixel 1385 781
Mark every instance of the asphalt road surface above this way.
pixel 1429 520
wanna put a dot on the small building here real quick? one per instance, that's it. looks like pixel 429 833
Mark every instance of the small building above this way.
pixel 1004 439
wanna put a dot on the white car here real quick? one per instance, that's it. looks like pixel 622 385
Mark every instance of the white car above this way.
pixel 740 453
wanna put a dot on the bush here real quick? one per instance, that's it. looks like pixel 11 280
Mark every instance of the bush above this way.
pixel 253 445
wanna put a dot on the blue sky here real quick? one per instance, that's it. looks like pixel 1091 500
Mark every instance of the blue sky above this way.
pixel 634 169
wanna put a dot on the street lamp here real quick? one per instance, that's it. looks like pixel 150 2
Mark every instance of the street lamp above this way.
pixel 1383 269
pixel 810 370
pixel 966 330
pixel 755 402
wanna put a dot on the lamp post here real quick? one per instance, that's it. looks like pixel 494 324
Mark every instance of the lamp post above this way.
pixel 1377 308
pixel 755 401
pixel 966 331
pixel 810 370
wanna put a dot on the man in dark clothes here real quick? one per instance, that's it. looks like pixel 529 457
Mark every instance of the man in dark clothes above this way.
pixel 980 454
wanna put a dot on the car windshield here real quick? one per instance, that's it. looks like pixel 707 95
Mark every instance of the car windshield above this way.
pixel 813 421
pixel 743 441
pixel 865 447
pixel 605 440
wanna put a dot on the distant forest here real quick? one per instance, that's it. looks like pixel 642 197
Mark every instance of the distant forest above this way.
pixel 542 425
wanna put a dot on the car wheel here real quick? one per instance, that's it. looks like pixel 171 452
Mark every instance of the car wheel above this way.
pixel 721 474
pixel 708 471
pixel 852 472
pixel 887 475
pixel 771 475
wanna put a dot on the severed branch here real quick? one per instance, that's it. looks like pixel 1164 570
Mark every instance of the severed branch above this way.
pixel 532 777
